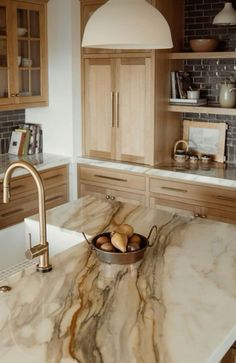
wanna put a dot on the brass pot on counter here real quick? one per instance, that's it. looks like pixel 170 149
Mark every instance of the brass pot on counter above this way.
pixel 118 257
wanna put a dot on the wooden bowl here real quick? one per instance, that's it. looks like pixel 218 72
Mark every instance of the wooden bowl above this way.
pixel 204 45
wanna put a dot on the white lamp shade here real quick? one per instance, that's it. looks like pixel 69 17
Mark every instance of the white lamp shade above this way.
pixel 127 24
pixel 227 16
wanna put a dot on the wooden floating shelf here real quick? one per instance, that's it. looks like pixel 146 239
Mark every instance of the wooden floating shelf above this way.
pixel 28 38
pixel 205 55
pixel 203 109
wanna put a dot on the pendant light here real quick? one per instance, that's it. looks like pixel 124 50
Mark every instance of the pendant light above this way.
pixel 227 16
pixel 127 24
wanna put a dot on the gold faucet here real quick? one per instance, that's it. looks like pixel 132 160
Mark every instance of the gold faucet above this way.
pixel 41 249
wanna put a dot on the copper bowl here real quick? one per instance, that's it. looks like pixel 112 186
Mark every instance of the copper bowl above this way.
pixel 121 258
pixel 204 45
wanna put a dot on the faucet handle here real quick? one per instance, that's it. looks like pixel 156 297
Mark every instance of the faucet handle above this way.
pixel 30 241
pixel 35 251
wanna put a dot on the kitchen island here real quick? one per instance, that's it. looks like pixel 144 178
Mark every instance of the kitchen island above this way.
pixel 177 305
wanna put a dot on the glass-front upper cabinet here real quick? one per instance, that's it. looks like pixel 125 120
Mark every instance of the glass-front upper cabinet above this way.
pixel 23 53
pixel 4 53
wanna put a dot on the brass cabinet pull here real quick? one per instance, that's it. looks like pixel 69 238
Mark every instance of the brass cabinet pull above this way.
pixel 107 196
pixel 109 177
pixel 52 177
pixel 8 214
pixel 117 110
pixel 112 110
pixel 175 189
pixel 17 187
pixel 221 197
pixel 54 198
pixel 13 95
pixel 112 197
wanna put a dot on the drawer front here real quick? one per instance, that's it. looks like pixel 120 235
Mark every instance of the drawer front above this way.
pixel 111 178
pixel 20 185
pixel 15 211
pixel 55 176
pixel 25 184
pixel 177 206
pixel 57 196
pixel 223 197
pixel 112 194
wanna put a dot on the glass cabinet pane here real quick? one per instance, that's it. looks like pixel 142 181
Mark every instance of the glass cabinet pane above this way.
pixel 29 49
pixel 24 89
pixel 35 83
pixel 34 30
pixel 3 22
pixel 35 53
pixel 3 53
pixel 3 83
pixel 22 23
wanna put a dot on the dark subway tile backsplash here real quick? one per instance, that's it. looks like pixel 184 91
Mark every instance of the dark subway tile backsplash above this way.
pixel 9 120
pixel 199 17
pixel 230 142
pixel 208 74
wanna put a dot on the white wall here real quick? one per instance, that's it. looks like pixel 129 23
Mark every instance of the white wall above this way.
pixel 63 114
pixel 61 121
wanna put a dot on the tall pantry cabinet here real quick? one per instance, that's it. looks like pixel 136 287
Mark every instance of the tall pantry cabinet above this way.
pixel 125 98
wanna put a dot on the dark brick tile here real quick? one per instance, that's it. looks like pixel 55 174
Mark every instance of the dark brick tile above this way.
pixel 9 120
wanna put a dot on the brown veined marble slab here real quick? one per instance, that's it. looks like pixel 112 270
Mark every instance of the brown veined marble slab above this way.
pixel 177 305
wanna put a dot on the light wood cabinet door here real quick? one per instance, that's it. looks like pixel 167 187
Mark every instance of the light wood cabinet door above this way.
pixel 133 110
pixel 23 54
pixel 118 108
pixel 99 108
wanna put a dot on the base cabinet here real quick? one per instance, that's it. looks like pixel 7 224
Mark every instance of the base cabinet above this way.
pixel 24 197
pixel 230 356
pixel 202 200
pixel 112 185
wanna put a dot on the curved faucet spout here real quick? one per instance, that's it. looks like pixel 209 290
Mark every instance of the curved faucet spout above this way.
pixel 41 249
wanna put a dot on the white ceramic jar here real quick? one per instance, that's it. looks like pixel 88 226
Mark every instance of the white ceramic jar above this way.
pixel 227 96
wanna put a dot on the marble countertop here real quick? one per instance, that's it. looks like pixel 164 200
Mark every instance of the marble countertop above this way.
pixel 40 161
pixel 177 305
pixel 214 173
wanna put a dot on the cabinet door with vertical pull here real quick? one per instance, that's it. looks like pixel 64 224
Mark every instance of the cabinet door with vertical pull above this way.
pixel 118 108
pixel 99 108
pixel 133 110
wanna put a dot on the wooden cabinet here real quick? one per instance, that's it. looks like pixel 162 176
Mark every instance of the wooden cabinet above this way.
pixel 125 97
pixel 230 356
pixel 118 105
pixel 204 200
pixel 23 54
pixel 24 197
pixel 112 185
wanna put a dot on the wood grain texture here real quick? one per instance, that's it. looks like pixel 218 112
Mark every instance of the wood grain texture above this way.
pixel 24 200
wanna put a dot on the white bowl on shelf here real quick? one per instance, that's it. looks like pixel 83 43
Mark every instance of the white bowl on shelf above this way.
pixel 21 31
pixel 26 62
